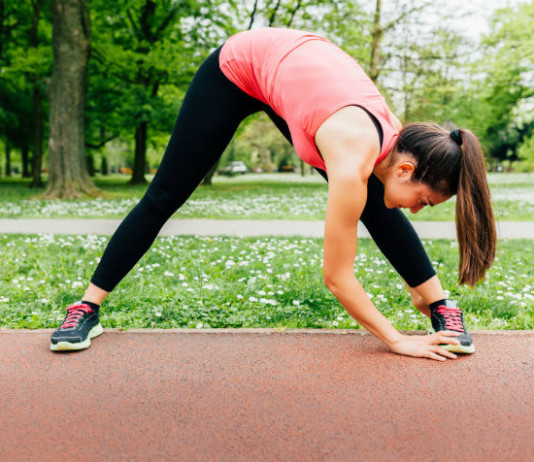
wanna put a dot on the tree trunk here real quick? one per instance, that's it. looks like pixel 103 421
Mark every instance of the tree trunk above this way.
pixel 138 176
pixel 293 13
pixel 72 42
pixel 38 121
pixel 104 169
pixel 8 158
pixel 251 21
pixel 24 154
pixel 117 168
pixel 376 34
pixel 37 159
pixel 207 181
pixel 273 15
pixel 265 158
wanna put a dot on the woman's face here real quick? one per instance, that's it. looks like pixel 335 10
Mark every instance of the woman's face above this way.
pixel 400 191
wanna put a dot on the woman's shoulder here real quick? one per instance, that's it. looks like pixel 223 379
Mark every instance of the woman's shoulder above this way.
pixel 348 130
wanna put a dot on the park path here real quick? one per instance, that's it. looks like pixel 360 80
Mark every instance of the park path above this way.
pixel 206 227
pixel 263 395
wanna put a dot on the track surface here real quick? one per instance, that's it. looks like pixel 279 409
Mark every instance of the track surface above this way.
pixel 261 395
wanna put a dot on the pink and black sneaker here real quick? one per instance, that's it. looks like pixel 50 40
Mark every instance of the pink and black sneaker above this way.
pixel 81 324
pixel 445 315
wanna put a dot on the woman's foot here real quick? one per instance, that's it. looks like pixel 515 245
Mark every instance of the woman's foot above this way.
pixel 447 316
pixel 81 324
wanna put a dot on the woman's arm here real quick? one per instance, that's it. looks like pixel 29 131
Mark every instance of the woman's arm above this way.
pixel 349 145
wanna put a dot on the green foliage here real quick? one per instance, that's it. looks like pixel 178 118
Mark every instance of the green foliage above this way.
pixel 138 46
pixel 22 66
pixel 346 24
pixel 525 154
pixel 145 52
pixel 506 93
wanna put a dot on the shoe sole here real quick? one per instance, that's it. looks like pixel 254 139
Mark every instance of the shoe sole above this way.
pixel 459 348
pixel 455 348
pixel 68 346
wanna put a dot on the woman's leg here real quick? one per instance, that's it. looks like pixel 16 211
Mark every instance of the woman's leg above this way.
pixel 211 112
pixel 395 237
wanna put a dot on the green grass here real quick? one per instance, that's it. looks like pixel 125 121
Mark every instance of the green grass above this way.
pixel 274 196
pixel 196 282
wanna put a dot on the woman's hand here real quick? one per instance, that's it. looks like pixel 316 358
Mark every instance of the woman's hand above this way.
pixel 426 346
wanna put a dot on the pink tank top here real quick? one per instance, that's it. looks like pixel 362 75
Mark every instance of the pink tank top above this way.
pixel 305 79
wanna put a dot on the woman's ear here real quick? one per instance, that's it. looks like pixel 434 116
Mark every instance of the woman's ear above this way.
pixel 405 169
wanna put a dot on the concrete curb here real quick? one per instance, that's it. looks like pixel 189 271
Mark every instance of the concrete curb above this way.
pixel 268 331
pixel 245 228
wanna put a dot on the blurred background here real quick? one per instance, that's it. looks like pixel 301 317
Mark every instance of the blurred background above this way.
pixel 97 85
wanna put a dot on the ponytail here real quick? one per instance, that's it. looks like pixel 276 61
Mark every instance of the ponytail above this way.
pixel 453 163
pixel 475 223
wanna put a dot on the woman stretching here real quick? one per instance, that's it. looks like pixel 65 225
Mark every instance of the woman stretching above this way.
pixel 332 113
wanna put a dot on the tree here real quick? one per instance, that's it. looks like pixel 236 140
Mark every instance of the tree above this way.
pixel 404 12
pixel 71 41
pixel 429 76
pixel 142 46
pixel 508 88
pixel 37 97
pixel 496 100
pixel 14 112
pixel 25 37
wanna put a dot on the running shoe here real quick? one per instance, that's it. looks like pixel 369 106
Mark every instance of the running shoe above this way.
pixel 81 324
pixel 448 316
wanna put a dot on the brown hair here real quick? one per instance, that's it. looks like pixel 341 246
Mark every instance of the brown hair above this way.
pixel 453 163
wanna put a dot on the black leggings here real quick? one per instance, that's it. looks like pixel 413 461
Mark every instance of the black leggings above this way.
pixel 212 110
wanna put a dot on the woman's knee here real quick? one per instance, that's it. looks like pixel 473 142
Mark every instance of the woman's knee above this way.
pixel 164 201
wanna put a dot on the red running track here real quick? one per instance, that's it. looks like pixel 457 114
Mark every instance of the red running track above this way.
pixel 262 395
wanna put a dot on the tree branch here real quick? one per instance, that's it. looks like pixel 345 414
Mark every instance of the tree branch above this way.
pixel 147 17
pixel 252 15
pixel 134 26
pixel 273 15
pixel 399 18
pixel 166 22
pixel 297 7
pixel 101 144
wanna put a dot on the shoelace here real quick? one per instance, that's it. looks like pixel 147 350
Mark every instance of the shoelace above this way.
pixel 74 314
pixel 452 317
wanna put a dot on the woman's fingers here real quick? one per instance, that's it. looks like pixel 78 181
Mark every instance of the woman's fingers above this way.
pixel 441 338
pixel 447 353
pixel 441 354
pixel 446 336
pixel 449 333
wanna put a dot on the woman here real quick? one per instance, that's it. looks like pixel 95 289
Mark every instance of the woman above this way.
pixel 338 122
